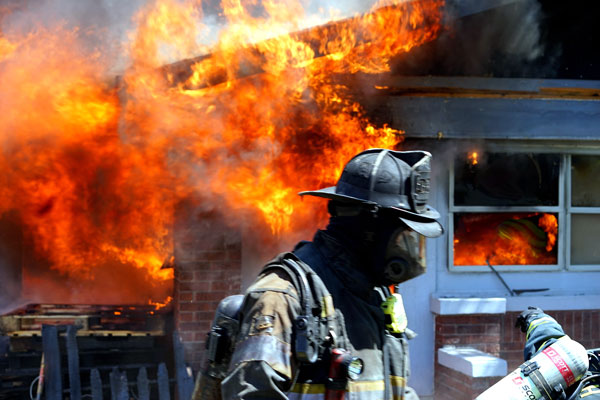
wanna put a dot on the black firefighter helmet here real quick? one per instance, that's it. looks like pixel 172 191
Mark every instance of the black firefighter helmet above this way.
pixel 387 179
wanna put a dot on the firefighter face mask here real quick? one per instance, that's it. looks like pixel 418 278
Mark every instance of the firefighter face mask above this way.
pixel 404 256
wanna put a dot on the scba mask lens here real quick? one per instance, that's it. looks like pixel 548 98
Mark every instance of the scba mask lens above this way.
pixel 405 256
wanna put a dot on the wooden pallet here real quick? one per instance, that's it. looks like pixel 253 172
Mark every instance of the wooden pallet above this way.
pixel 90 320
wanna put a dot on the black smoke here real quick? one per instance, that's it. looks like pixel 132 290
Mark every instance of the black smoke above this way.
pixel 517 39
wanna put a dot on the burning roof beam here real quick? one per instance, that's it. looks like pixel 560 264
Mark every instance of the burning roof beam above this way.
pixel 324 41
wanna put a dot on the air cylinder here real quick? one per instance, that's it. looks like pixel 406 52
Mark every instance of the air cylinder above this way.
pixel 544 376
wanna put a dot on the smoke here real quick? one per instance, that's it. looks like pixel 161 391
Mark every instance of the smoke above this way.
pixel 105 25
pixel 11 251
pixel 102 25
pixel 503 41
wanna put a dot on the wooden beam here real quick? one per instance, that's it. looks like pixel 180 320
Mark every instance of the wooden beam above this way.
pixel 73 361
pixel 185 382
pixel 52 367
pixel 143 385
pixel 249 60
pixel 96 385
pixel 163 382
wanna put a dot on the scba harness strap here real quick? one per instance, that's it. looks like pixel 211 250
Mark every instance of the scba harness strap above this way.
pixel 318 327
pixel 319 331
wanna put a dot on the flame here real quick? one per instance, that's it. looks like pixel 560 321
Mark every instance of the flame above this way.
pixel 95 166
pixel 549 224
pixel 157 305
pixel 473 158
pixel 505 239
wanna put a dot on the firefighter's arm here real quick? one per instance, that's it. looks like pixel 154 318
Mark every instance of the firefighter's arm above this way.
pixel 262 363
pixel 541 330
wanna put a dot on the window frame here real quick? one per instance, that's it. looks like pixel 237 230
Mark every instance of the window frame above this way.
pixel 563 210
pixel 570 210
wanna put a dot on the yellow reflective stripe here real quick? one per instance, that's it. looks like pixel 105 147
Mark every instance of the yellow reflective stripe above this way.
pixel 328 308
pixel 589 390
pixel 398 381
pixel 308 388
pixel 537 322
pixel 353 386
pixel 367 386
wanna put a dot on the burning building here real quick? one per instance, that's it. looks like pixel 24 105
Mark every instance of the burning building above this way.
pixel 125 199
pixel 164 190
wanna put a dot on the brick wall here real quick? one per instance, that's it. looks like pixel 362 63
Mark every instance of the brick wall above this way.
pixel 207 269
pixel 497 335
pixel 482 332
pixel 453 385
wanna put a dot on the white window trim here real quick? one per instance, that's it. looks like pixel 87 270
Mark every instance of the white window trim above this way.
pixel 570 210
pixel 564 210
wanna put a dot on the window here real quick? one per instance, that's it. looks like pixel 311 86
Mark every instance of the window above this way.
pixel 511 210
pixel 583 200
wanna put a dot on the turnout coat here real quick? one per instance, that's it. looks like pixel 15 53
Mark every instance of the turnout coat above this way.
pixel 265 364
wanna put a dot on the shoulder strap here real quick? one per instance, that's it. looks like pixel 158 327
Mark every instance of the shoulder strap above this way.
pixel 298 280
pixel 383 291
pixel 315 302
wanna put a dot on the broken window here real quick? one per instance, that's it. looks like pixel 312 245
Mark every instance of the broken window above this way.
pixel 505 210
pixel 524 211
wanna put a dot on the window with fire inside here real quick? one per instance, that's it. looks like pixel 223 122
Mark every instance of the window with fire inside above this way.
pixel 524 211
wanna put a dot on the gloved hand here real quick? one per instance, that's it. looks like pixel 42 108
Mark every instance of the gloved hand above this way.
pixel 523 318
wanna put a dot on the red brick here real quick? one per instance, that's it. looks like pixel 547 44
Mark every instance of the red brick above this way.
pixel 441 329
pixel 185 296
pixel 186 317
pixel 190 326
pixel 193 265
pixel 492 329
pixel 184 276
pixel 208 306
pixel 186 336
pixel 586 326
pixel 194 286
pixel 492 348
pixel 482 339
pixel 577 325
pixel 210 296
pixel 201 333
pixel 211 255
pixel 453 319
pixel 205 316
pixel 190 306
pixel 453 385
pixel 484 319
pixel 452 341
pixel 222 285
pixel 471 329
pixel 228 266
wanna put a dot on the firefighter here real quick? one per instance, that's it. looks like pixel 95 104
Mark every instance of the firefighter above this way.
pixel 379 218
pixel 542 331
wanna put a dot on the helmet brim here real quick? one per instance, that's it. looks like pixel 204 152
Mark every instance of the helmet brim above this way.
pixel 431 229
pixel 424 223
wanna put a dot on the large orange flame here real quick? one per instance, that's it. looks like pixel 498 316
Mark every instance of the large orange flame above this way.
pixel 95 167
pixel 505 239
